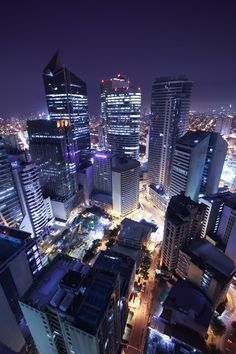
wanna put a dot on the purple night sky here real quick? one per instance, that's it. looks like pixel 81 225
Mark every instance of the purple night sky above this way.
pixel 99 38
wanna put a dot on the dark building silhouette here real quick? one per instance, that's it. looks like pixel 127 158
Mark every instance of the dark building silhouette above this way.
pixel 52 149
pixel 10 208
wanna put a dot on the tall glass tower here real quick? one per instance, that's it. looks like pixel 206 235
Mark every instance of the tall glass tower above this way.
pixel 10 209
pixel 120 113
pixel 51 148
pixel 169 121
pixel 67 99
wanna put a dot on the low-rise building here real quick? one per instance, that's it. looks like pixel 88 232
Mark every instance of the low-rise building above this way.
pixel 134 234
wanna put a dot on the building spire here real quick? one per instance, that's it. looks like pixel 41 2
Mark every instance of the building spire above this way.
pixel 54 65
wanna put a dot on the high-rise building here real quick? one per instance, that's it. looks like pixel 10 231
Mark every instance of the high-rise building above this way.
pixel 35 220
pixel 226 233
pixel 85 177
pixel 224 124
pixel 51 148
pixel 216 154
pixel 10 208
pixel 197 164
pixel 214 205
pixel 19 264
pixel 72 309
pixel 125 266
pixel 120 114
pixel 102 172
pixel 206 266
pixel 125 185
pixel 183 223
pixel 188 164
pixel 169 121
pixel 67 99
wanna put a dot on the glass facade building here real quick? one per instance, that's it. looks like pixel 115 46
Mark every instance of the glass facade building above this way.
pixel 169 121
pixel 51 148
pixel 26 176
pixel 120 114
pixel 10 209
pixel 67 99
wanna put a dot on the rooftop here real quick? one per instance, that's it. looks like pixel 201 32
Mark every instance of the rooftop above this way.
pixel 180 207
pixel 206 255
pixel 103 198
pixel 133 230
pixel 127 251
pixel 188 299
pixel 11 241
pixel 70 287
pixel 124 164
pixel 172 78
pixel 117 262
pixel 192 138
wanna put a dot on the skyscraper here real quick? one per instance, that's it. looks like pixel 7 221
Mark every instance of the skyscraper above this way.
pixel 188 164
pixel 183 223
pixel 51 148
pixel 19 264
pixel 27 182
pixel 206 266
pixel 120 114
pixel 125 186
pixel 102 172
pixel 216 154
pixel 10 209
pixel 197 164
pixel 226 233
pixel 71 309
pixel 67 99
pixel 169 120
pixel 214 205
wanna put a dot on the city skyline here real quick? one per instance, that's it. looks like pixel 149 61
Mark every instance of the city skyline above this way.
pixel 196 41
pixel 118 177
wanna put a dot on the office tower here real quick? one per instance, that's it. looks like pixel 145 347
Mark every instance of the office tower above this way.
pixel 188 164
pixel 19 264
pixel 85 178
pixel 10 209
pixel 214 205
pixel 35 220
pixel 125 185
pixel 48 207
pixel 102 172
pixel 125 266
pixel 206 266
pixel 72 309
pixel 66 96
pixel 183 223
pixel 51 148
pixel 102 179
pixel 216 154
pixel 158 197
pixel 13 143
pixel 197 164
pixel 226 233
pixel 169 121
pixel 120 114
pixel 224 124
